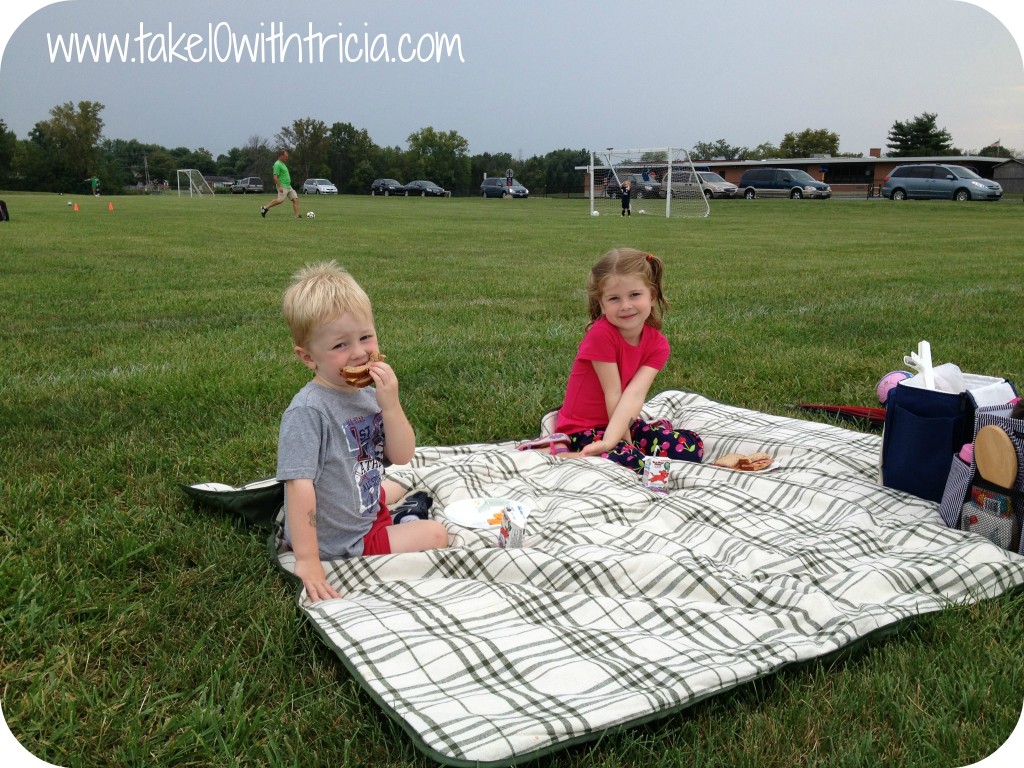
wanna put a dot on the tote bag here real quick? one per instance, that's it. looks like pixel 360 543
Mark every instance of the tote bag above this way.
pixel 925 428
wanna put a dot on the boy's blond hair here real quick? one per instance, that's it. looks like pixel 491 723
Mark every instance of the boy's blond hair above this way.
pixel 321 293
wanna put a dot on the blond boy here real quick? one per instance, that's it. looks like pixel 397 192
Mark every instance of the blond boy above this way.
pixel 336 440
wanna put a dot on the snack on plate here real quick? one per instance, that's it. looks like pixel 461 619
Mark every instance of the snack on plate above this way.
pixel 359 375
pixel 753 462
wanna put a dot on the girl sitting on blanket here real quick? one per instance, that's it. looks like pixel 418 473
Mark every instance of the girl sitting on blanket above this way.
pixel 622 351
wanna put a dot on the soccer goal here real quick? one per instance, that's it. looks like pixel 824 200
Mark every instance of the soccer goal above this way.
pixel 194 183
pixel 662 182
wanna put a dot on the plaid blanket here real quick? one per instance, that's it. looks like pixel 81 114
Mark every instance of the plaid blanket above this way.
pixel 625 604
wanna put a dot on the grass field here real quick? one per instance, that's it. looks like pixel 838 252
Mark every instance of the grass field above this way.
pixel 144 346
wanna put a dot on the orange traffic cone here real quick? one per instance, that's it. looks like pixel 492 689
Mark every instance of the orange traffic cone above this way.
pixel 110 207
pixel 76 207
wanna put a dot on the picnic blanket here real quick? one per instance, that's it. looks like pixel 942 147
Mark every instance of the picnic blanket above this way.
pixel 625 604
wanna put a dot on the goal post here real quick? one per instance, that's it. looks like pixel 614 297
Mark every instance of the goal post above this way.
pixel 194 183
pixel 662 182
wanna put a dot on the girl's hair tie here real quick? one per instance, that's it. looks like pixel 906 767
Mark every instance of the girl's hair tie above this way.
pixel 650 257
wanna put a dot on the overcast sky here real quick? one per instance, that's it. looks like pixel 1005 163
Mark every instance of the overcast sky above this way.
pixel 526 77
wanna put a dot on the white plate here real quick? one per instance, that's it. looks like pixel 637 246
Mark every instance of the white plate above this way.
pixel 477 513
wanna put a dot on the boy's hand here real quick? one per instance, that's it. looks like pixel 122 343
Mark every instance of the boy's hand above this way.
pixel 400 440
pixel 314 580
pixel 386 383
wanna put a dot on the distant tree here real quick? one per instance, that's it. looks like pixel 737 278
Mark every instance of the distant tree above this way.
pixel 442 157
pixel 162 165
pixel 532 172
pixel 78 132
pixel 351 152
pixel 490 164
pixel 996 149
pixel 918 137
pixel 200 159
pixel 21 171
pixel 122 161
pixel 559 168
pixel 38 167
pixel 762 151
pixel 361 177
pixel 392 163
pixel 704 150
pixel 66 148
pixel 258 157
pixel 127 152
pixel 308 145
pixel 8 144
pixel 810 142
pixel 230 162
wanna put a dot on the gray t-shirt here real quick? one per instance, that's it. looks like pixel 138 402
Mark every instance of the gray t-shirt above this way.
pixel 335 439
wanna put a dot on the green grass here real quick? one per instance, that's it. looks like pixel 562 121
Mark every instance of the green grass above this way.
pixel 143 347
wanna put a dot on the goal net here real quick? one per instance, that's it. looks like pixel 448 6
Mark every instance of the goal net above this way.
pixel 192 181
pixel 662 182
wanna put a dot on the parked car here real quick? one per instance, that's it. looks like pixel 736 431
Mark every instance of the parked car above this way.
pixel 710 184
pixel 387 187
pixel 318 187
pixel 638 185
pixel 248 185
pixel 715 186
pixel 424 188
pixel 782 182
pixel 939 182
pixel 497 186
pixel 683 184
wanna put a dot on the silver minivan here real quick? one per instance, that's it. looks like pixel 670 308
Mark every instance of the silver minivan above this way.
pixel 686 184
pixel 782 182
pixel 938 182
pixel 498 186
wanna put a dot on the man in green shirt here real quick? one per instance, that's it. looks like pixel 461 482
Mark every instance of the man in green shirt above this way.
pixel 283 184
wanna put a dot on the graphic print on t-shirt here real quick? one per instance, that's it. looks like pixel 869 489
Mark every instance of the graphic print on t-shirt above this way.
pixel 366 440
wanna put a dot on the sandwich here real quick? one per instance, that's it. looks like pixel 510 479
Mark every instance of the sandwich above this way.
pixel 359 375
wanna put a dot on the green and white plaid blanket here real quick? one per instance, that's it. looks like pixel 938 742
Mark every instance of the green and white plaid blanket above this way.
pixel 626 604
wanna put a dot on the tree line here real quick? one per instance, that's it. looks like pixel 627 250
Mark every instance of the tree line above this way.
pixel 61 152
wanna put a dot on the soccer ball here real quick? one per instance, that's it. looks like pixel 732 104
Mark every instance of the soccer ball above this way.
pixel 887 382
pixel 595 213
pixel 642 212
pixel 310 215
pixel 69 203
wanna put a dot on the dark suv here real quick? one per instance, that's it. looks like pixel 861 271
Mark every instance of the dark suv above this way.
pixel 639 187
pixel 387 187
pixel 939 182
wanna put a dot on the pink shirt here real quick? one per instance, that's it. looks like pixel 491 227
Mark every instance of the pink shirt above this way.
pixel 584 406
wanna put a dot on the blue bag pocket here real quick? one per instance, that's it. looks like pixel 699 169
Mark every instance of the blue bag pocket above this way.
pixel 917 457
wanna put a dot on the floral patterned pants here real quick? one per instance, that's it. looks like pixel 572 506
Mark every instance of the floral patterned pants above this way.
pixel 656 438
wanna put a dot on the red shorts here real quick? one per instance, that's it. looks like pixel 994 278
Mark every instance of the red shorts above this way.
pixel 376 542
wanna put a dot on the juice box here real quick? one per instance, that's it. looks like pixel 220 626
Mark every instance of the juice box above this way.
pixel 656 471
pixel 513 526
